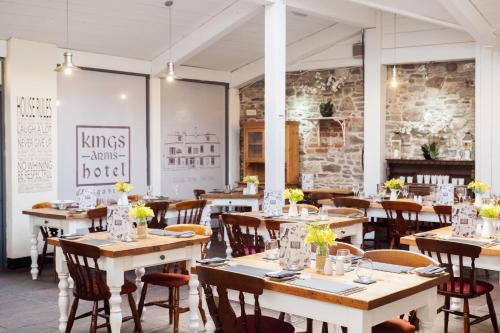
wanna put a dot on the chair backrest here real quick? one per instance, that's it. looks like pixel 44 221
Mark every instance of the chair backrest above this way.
pixel 314 197
pixel 344 211
pixel 196 228
pixel 190 211
pixel 84 269
pixel 221 311
pixel 40 205
pixel 198 193
pixel 444 214
pixel 396 210
pixel 310 208
pixel 400 257
pixel 134 197
pixel 242 233
pixel 273 227
pixel 160 210
pixel 46 232
pixel 352 203
pixel 345 246
pixel 98 215
pixel 453 253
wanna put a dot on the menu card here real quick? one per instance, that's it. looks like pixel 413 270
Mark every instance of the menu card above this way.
pixel 273 203
pixel 120 225
pixel 463 220
pixel 86 197
pixel 294 253
pixel 445 194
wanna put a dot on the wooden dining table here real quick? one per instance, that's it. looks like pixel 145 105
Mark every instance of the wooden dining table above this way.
pixel 120 257
pixel 234 199
pixel 390 296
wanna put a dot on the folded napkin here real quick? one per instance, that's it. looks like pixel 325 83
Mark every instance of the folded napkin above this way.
pixel 178 234
pixel 211 261
pixel 430 270
pixel 281 274
pixel 425 234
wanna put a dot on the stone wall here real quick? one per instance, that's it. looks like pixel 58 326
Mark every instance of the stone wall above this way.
pixel 433 102
pixel 332 163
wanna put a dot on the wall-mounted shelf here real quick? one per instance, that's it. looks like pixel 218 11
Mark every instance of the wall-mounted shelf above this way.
pixel 342 121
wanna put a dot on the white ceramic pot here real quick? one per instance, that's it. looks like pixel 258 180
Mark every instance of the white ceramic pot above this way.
pixel 394 194
pixel 478 200
pixel 292 210
pixel 489 228
pixel 251 188
pixel 123 201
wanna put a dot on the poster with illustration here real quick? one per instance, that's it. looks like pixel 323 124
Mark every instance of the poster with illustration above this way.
pixel 445 194
pixel 463 220
pixel 120 225
pixel 294 253
pixel 273 203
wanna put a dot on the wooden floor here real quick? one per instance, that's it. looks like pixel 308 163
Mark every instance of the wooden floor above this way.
pixel 31 306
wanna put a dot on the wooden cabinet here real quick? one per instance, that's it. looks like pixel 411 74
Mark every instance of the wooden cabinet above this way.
pixel 254 148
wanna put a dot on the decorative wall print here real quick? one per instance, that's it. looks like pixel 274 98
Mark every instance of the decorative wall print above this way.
pixel 191 150
pixel 294 253
pixel 120 225
pixel 102 155
pixel 463 220
pixel 445 194
pixel 273 203
pixel 307 181
pixel 86 197
pixel 34 144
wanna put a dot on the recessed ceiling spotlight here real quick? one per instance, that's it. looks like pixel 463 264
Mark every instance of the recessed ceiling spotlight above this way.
pixel 299 14
pixel 123 96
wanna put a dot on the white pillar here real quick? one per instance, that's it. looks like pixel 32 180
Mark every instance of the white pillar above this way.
pixel 234 135
pixel 155 152
pixel 275 68
pixel 374 116
pixel 487 155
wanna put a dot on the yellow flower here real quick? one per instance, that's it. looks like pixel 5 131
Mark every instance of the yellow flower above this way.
pixel 293 194
pixel 140 212
pixel 251 179
pixel 123 187
pixel 394 184
pixel 490 211
pixel 478 187
pixel 321 236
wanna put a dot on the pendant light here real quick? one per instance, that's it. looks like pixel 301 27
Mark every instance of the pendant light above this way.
pixel 394 79
pixel 67 66
pixel 170 65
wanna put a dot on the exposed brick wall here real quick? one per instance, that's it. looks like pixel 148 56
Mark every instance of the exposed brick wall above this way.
pixel 433 100
pixel 332 164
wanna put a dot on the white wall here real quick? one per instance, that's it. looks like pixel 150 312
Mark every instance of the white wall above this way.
pixel 29 72
pixel 3 48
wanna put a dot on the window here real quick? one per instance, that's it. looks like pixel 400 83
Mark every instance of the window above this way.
pixel 171 150
pixel 201 149
pixel 191 161
pixel 212 161
pixel 212 148
pixel 179 138
pixel 195 151
pixel 189 150
pixel 201 160
pixel 171 161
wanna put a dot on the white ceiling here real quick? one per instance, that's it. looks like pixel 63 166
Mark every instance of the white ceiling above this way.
pixel 127 28
pixel 490 10
pixel 245 44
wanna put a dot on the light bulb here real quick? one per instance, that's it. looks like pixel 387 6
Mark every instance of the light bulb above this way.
pixel 68 71
pixel 394 82
pixel 170 78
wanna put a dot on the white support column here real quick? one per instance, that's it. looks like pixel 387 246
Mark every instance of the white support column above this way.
pixel 487 103
pixel 374 117
pixel 154 134
pixel 234 135
pixel 275 68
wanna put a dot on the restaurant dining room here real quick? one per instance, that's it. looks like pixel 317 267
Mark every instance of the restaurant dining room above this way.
pixel 249 166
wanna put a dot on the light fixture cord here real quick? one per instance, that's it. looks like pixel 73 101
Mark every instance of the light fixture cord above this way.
pixel 67 25
pixel 170 32
pixel 395 31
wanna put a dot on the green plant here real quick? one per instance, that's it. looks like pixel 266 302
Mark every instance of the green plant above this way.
pixel 430 151
pixel 326 109
pixel 321 236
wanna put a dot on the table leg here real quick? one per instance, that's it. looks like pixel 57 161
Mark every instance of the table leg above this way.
pixel 209 326
pixel 229 250
pixel 139 273
pixel 428 313
pixel 34 251
pixel 115 281
pixel 63 302
pixel 194 297
pixel 456 304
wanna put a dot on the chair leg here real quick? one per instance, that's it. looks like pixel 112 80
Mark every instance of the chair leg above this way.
pixel 93 320
pixel 200 307
pixel 324 328
pixel 493 314
pixel 170 303
pixel 446 313
pixel 135 314
pixel 282 316
pixel 309 328
pixel 41 258
pixel 72 314
pixel 177 297
pixel 143 297
pixel 107 312
pixel 466 316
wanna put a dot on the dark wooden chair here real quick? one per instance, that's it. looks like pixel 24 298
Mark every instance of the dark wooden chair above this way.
pixel 90 285
pixel 399 225
pixel 134 197
pixel 173 281
pixel 273 227
pixel 444 214
pixel 221 311
pixel 46 232
pixel 314 198
pixel 97 216
pixel 466 286
pixel 345 246
pixel 190 211
pixel 242 233
pixel 198 193
pixel 344 211
pixel 160 210
pixel 363 205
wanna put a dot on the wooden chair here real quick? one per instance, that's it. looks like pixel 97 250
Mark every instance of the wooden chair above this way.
pixel 46 233
pixel 198 193
pixel 465 286
pixel 315 197
pixel 344 211
pixel 173 281
pixel 98 215
pixel 90 285
pixel 242 233
pixel 399 225
pixel 310 208
pixel 215 215
pixel 444 214
pixel 160 210
pixel 190 211
pixel 345 246
pixel 134 197
pixel 273 228
pixel 221 311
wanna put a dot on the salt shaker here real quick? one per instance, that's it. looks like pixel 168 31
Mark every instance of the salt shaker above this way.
pixel 339 266
pixel 328 269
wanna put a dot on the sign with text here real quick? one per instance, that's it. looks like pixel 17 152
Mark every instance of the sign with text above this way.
pixel 34 144
pixel 102 155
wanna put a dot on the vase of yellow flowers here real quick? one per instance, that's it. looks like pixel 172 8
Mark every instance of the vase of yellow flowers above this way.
pixel 140 212
pixel 323 237
pixel 123 188
pixel 293 195
pixel 252 184
pixel 490 214
pixel 395 185
pixel 479 190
